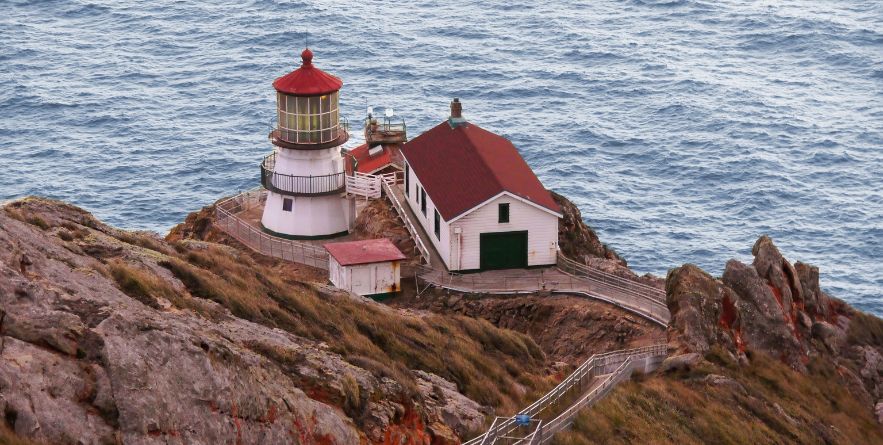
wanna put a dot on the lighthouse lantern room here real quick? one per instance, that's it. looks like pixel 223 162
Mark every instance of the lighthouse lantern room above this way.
pixel 304 176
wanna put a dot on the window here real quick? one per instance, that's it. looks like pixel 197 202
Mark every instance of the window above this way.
pixel 308 119
pixel 437 225
pixel 423 201
pixel 407 180
pixel 286 204
pixel 503 213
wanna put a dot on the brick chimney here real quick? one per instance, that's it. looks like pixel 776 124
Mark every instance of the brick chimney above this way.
pixel 456 108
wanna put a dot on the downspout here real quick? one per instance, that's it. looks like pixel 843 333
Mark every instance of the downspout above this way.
pixel 459 233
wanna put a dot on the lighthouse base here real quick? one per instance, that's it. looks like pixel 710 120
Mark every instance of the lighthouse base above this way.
pixel 307 217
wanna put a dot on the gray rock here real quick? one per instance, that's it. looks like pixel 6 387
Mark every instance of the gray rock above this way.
pixel 680 362
pixel 82 362
pixel 724 381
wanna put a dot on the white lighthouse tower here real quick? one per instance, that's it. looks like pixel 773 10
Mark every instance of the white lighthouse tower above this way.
pixel 304 176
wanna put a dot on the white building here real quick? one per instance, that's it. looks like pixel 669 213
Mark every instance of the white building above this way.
pixel 305 175
pixel 478 200
pixel 367 267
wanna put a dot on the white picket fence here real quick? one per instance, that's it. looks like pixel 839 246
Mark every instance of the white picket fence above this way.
pixel 365 185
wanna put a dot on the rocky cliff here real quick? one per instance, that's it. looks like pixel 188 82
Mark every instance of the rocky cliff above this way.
pixel 777 308
pixel 760 355
pixel 108 336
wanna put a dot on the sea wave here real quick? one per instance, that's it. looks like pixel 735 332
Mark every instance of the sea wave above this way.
pixel 683 129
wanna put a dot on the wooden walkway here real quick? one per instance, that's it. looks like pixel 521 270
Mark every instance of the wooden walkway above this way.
pixel 567 277
pixel 556 410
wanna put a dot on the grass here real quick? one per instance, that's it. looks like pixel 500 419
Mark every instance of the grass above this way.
pixel 145 286
pixel 141 284
pixel 489 365
pixel 865 329
pixel 778 405
pixel 142 240
pixel 37 221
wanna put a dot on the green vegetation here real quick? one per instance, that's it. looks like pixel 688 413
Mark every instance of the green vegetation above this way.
pixel 763 403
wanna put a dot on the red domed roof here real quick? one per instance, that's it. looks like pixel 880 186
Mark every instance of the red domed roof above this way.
pixel 307 80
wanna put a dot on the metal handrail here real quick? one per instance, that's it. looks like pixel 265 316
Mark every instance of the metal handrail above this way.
pixel 568 265
pixel 590 368
pixel 386 124
pixel 299 185
pixel 227 219
pixel 386 185
pixel 628 299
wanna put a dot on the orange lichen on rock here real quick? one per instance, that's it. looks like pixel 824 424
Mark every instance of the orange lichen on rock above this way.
pixel 410 431
pixel 727 321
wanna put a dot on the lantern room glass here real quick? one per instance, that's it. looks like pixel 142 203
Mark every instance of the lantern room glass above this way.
pixel 308 120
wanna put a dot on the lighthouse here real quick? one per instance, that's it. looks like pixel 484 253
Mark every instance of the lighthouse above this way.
pixel 304 176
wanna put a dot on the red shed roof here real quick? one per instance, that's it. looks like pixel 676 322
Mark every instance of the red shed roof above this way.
pixel 307 80
pixel 462 165
pixel 370 164
pixel 350 253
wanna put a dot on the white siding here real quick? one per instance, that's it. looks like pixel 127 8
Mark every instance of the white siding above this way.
pixel 366 279
pixel 337 274
pixel 541 226
pixel 443 242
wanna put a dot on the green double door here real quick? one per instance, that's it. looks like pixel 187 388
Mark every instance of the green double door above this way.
pixel 503 250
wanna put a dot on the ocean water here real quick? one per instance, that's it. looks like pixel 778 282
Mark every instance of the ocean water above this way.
pixel 683 129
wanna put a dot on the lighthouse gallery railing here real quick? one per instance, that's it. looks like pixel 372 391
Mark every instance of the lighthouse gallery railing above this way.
pixel 299 185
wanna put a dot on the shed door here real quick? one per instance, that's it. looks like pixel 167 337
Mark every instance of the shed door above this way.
pixel 503 250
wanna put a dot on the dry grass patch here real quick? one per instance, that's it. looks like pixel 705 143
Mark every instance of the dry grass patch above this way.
pixel 490 365
pixel 865 329
pixel 778 405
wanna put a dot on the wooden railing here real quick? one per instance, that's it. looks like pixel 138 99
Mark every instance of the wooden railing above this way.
pixel 618 365
pixel 299 185
pixel 289 250
pixel 387 184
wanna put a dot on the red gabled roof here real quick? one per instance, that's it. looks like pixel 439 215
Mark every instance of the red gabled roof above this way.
pixel 370 164
pixel 379 250
pixel 307 80
pixel 463 165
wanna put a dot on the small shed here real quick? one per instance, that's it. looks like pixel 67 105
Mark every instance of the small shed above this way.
pixel 367 267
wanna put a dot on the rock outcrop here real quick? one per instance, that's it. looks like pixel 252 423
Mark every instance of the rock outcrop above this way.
pixel 378 219
pixel 576 239
pixel 109 336
pixel 778 309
